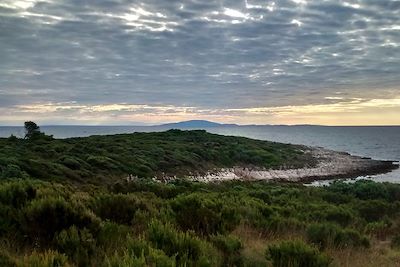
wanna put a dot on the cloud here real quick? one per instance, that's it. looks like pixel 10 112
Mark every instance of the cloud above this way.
pixel 209 55
pixel 342 111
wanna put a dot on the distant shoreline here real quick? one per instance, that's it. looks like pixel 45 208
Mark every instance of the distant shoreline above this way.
pixel 330 165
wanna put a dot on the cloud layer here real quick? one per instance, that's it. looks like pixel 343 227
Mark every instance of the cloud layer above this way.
pixel 195 58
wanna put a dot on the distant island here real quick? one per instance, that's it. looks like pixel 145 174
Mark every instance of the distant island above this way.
pixel 195 124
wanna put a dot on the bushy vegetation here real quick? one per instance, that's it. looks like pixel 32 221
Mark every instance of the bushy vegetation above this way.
pixel 146 223
pixel 100 159
pixel 296 254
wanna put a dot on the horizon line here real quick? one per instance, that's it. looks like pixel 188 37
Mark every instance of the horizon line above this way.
pixel 220 124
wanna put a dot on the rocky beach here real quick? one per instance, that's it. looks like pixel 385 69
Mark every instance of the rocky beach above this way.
pixel 330 165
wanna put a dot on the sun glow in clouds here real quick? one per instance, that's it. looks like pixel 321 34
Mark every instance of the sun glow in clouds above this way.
pixel 292 114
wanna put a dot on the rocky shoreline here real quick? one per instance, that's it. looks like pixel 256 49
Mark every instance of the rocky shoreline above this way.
pixel 330 165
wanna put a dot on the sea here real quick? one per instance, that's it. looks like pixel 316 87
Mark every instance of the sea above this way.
pixel 376 142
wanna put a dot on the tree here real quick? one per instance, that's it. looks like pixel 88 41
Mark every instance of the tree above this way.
pixel 31 129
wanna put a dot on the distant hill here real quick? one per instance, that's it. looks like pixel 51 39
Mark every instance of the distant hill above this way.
pixel 195 124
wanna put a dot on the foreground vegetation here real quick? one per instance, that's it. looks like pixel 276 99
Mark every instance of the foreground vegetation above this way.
pixel 102 159
pixel 145 223
pixel 63 203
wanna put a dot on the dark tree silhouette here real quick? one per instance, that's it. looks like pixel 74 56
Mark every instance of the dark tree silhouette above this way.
pixel 31 129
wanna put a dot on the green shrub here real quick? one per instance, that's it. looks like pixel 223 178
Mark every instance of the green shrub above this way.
pixel 112 235
pixel 12 171
pixel 373 210
pixel 325 235
pixel 351 238
pixel 78 245
pixel 280 224
pixel 231 247
pixel 322 235
pixel 395 242
pixel 16 194
pixel 187 248
pixel 45 259
pixel 152 257
pixel 204 215
pixel 339 215
pixel 364 189
pixel 6 260
pixel 43 218
pixel 296 254
pixel 335 198
pixel 380 229
pixel 71 162
pixel 101 162
pixel 118 208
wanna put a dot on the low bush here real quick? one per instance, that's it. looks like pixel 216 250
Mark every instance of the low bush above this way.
pixel 78 245
pixel 204 215
pixel 231 247
pixel 186 247
pixel 118 208
pixel 6 260
pixel 44 218
pixel 45 259
pixel 380 229
pixel 351 238
pixel 296 254
pixel 373 210
pixel 112 235
pixel 395 242
pixel 322 235
pixel 330 235
pixel 71 162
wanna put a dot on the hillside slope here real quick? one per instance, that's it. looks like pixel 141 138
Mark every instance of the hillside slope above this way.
pixel 172 153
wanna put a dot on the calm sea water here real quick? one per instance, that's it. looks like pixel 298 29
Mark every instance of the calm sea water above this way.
pixel 374 142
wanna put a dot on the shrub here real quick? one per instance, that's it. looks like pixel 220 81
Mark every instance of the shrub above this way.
pixel 71 163
pixel 6 260
pixel 12 171
pixel 231 247
pixel 118 208
pixel 339 215
pixel 187 248
pixel 373 210
pixel 152 257
pixel 322 235
pixel 351 238
pixel 364 189
pixel 326 234
pixel 45 259
pixel 335 198
pixel 395 242
pixel 379 229
pixel 101 162
pixel 45 217
pixel 280 224
pixel 16 194
pixel 78 245
pixel 204 215
pixel 112 235
pixel 296 254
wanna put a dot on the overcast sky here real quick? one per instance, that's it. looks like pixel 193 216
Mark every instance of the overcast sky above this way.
pixel 143 62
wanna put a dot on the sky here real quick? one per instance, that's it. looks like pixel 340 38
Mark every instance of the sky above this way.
pixel 109 62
